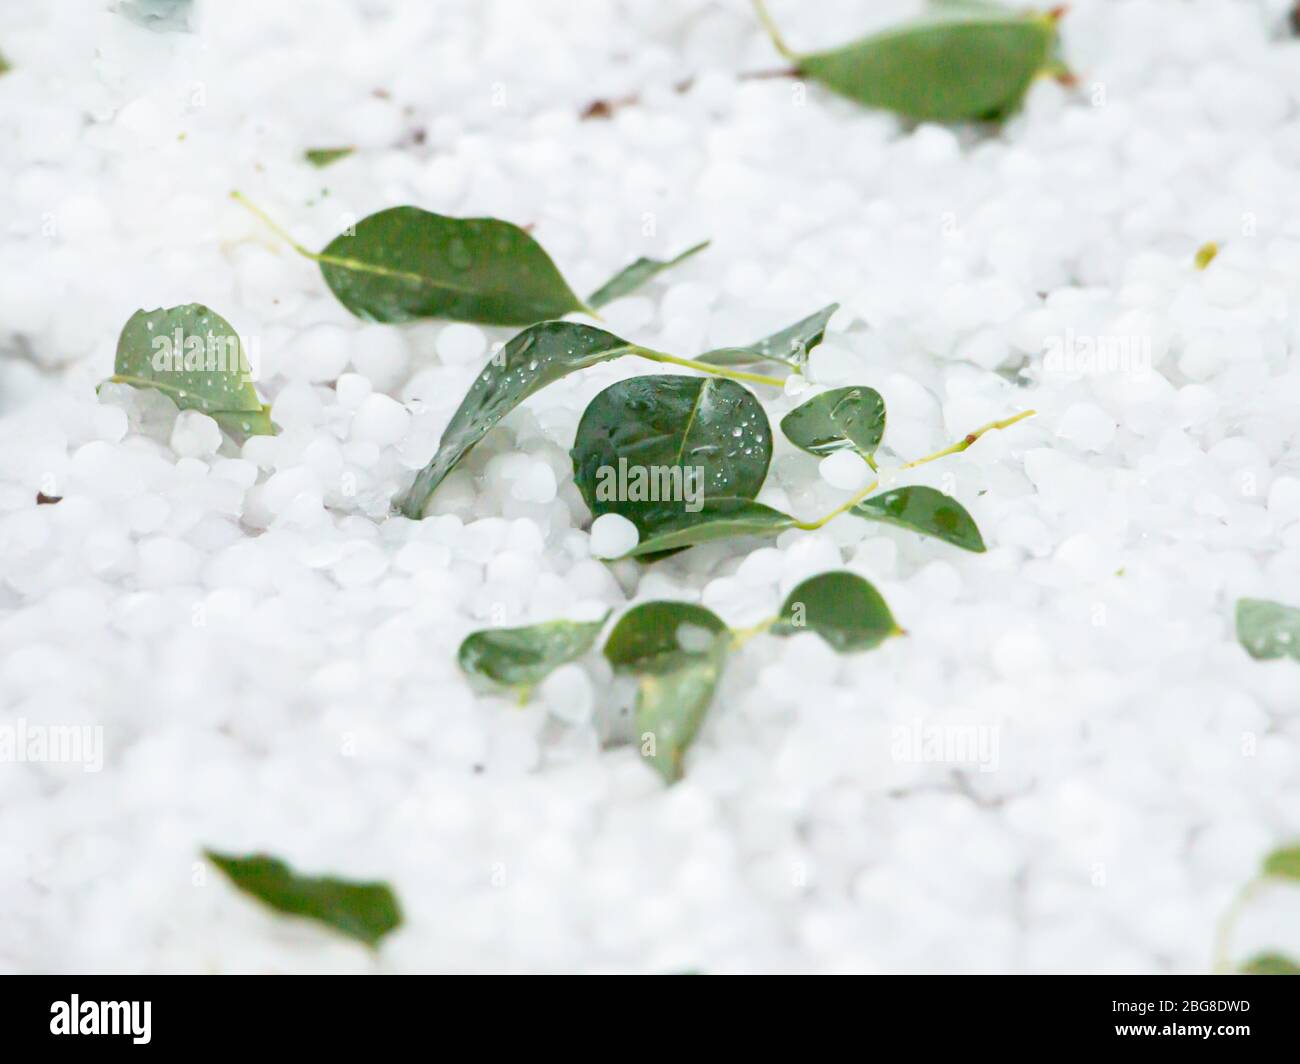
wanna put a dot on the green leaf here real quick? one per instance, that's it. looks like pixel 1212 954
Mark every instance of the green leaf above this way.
pixel 4 64
pixel 535 358
pixel 659 636
pixel 194 356
pixel 1270 964
pixel 842 608
pixel 961 62
pixel 634 276
pixel 924 510
pixel 323 157
pixel 1283 863
pixel 838 420
pixel 790 346
pixel 1268 629
pixel 677 649
pixel 405 263
pixel 655 449
pixel 521 657
pixel 724 518
pixel 364 911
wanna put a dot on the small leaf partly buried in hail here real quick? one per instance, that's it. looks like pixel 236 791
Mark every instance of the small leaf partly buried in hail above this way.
pixel 790 346
pixel 842 608
pixel 726 518
pixel 533 359
pixel 521 657
pixel 1268 629
pixel 839 420
pixel 1283 863
pixel 194 356
pixel 364 911
pixel 958 62
pixel 655 449
pixel 677 649
pixel 405 263
pixel 1270 964
pixel 632 277
pixel 924 510
pixel 323 157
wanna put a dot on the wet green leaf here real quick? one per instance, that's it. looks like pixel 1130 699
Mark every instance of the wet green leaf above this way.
pixel 660 636
pixel 725 518
pixel 924 510
pixel 656 449
pixel 632 277
pixel 535 358
pixel 1270 964
pixel 521 657
pixel 194 356
pixel 959 62
pixel 363 911
pixel 1268 629
pixel 323 157
pixel 677 649
pixel 1283 863
pixel 842 608
pixel 838 420
pixel 405 263
pixel 790 346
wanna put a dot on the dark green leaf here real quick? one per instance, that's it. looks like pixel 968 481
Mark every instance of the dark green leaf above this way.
pixel 790 346
pixel 1270 964
pixel 193 356
pixel 960 62
pixel 1268 629
pixel 521 657
pixel 839 420
pixel 364 911
pixel 405 263
pixel 677 649
pixel 724 518
pixel 323 157
pixel 656 449
pixel 1283 863
pixel 634 276
pixel 671 706
pixel 842 608
pixel 660 636
pixel 533 359
pixel 924 510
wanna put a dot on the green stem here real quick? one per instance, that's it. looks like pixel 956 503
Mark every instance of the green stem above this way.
pixel 271 224
pixel 1223 933
pixel 704 367
pixel 778 42
pixel 956 448
pixel 741 636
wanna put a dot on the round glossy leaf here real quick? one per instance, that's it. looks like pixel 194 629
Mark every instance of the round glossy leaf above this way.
pixel 660 636
pixel 927 511
pixel 521 657
pixel 842 608
pixel 838 420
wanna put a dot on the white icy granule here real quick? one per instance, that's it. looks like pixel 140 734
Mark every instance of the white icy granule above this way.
pixel 460 342
pixel 612 536
pixel 568 695
pixel 317 353
pixel 195 435
pixel 846 470
pixel 380 420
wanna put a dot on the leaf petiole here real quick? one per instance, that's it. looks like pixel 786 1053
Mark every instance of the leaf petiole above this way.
pixel 272 224
pixel 704 367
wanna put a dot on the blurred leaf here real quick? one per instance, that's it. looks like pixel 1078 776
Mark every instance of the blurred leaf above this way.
pixel 323 157
pixel 924 510
pixel 671 706
pixel 1270 964
pixel 660 636
pixel 842 608
pixel 1283 863
pixel 521 657
pixel 632 277
pixel 790 346
pixel 841 419
pixel 1268 629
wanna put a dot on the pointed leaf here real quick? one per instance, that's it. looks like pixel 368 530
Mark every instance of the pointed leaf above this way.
pixel 1270 964
pixel 632 277
pixel 1283 863
pixel 1268 629
pixel 194 356
pixel 671 706
pixel 405 263
pixel 521 657
pixel 790 346
pixel 726 518
pixel 323 157
pixel 842 608
pixel 924 510
pixel 841 419
pixel 364 911
pixel 535 358
pixel 659 636
pixel 655 449
pixel 960 62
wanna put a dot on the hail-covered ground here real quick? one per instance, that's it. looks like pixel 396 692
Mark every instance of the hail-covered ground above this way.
pixel 1068 763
